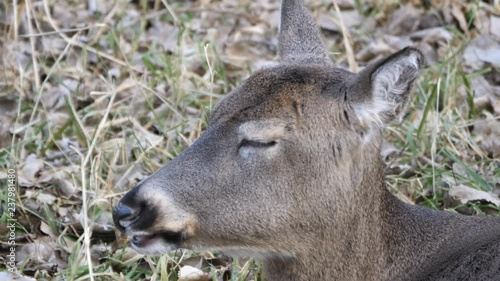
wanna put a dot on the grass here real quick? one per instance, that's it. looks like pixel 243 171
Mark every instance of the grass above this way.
pixel 441 141
pixel 113 103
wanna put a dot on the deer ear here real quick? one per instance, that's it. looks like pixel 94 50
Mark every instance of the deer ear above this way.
pixel 381 92
pixel 299 38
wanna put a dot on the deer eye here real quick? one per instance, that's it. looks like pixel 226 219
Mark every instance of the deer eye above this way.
pixel 257 144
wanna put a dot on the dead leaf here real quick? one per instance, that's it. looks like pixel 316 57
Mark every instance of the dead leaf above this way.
pixel 147 138
pixel 495 26
pixel 29 173
pixel 189 273
pixel 487 134
pixel 99 251
pixel 46 198
pixel 111 145
pixel 45 228
pixel 456 11
pixel 481 51
pixel 482 22
pixel 7 276
pixel 326 21
pixel 405 20
pixel 466 194
pixel 374 51
pixel 53 98
pixel 40 251
pixel 64 186
pixel 397 42
pixel 485 95
pixel 350 18
pixel 433 35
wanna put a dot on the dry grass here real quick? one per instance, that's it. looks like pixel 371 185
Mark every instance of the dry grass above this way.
pixel 95 95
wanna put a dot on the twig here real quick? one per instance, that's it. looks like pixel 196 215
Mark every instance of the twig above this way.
pixel 32 43
pixel 347 44
pixel 104 26
pixel 176 19
pixel 84 182
pixel 16 28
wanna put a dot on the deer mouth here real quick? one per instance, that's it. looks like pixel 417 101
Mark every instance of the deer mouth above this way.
pixel 174 239
pixel 142 240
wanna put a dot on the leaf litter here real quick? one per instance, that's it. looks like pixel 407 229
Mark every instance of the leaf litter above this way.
pixel 60 70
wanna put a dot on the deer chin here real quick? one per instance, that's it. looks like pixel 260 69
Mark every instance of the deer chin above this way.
pixel 157 243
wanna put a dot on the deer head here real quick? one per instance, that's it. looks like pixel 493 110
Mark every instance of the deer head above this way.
pixel 283 157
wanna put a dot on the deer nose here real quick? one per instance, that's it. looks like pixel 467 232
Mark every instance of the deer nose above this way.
pixel 123 215
pixel 123 212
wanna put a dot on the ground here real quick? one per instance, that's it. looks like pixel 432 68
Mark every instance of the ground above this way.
pixel 96 95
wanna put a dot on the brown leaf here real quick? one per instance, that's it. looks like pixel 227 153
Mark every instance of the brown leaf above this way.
pixel 7 276
pixel 64 186
pixel 456 11
pixel 189 273
pixel 45 228
pixel 466 194
pixel 433 35
pixel 405 20
pixel 350 18
pixel 495 26
pixel 485 95
pixel 481 51
pixel 487 134
pixel 29 173
pixel 40 251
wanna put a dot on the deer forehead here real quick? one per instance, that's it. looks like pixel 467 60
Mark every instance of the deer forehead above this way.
pixel 278 87
pixel 262 130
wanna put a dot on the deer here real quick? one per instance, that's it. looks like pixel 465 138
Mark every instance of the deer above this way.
pixel 289 171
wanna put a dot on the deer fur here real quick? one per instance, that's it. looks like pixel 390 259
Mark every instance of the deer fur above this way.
pixel 289 170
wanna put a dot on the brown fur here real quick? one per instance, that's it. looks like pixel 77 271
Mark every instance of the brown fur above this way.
pixel 308 194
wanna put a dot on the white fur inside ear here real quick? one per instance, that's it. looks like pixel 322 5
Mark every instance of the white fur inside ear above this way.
pixel 390 82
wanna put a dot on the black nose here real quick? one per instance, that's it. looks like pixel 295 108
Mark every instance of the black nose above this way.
pixel 123 212
pixel 123 216
pixel 133 213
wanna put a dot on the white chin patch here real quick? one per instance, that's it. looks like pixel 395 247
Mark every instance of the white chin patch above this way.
pixel 150 244
pixel 155 248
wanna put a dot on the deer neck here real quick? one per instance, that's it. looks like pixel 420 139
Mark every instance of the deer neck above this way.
pixel 378 237
pixel 350 239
